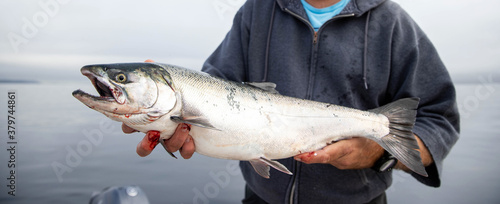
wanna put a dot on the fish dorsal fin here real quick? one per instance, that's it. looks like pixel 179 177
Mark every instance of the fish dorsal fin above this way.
pixel 194 120
pixel 261 166
pixel 265 86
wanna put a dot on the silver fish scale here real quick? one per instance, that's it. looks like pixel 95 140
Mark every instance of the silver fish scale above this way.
pixel 267 123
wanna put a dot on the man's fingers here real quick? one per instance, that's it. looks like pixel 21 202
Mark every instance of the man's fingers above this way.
pixel 307 158
pixel 188 148
pixel 328 155
pixel 126 129
pixel 177 140
pixel 354 153
pixel 149 60
pixel 319 156
pixel 148 143
pixel 181 140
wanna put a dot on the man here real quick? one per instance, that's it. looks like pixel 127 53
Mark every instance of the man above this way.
pixel 358 53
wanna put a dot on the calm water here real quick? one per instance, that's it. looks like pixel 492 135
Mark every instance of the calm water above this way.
pixel 55 130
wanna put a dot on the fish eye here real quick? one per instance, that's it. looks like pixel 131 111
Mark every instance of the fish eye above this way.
pixel 121 78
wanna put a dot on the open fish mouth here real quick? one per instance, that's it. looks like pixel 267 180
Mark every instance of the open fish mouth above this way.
pixel 108 91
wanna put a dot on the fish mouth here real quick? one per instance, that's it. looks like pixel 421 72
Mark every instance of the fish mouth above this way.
pixel 108 91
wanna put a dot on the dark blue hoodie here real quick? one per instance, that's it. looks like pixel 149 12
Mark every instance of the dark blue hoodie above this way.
pixel 371 54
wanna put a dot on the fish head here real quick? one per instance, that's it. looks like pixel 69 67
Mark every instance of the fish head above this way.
pixel 128 89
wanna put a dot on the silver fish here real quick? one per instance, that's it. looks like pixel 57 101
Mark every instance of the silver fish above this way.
pixel 242 121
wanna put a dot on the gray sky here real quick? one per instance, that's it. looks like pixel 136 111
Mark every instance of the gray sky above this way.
pixel 47 39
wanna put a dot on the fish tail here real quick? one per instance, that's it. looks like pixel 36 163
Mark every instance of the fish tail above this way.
pixel 400 142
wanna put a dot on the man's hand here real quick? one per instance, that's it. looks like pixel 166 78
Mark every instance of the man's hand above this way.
pixel 357 153
pixel 354 153
pixel 181 140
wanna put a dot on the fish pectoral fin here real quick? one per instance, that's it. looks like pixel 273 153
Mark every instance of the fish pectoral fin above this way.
pixel 265 86
pixel 262 164
pixel 194 120
pixel 162 142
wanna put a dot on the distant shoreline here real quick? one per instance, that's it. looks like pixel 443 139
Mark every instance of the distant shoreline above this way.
pixel 18 81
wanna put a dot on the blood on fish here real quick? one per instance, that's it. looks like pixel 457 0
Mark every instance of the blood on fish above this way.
pixel 186 127
pixel 308 156
pixel 153 137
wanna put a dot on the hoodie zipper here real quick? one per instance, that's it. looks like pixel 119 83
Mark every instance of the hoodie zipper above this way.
pixel 305 21
pixel 315 40
pixel 315 37
pixel 309 94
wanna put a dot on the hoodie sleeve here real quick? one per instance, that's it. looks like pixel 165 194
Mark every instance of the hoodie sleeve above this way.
pixel 417 71
pixel 229 60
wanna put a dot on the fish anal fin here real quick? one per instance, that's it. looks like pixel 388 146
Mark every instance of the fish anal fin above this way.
pixel 262 166
pixel 276 165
